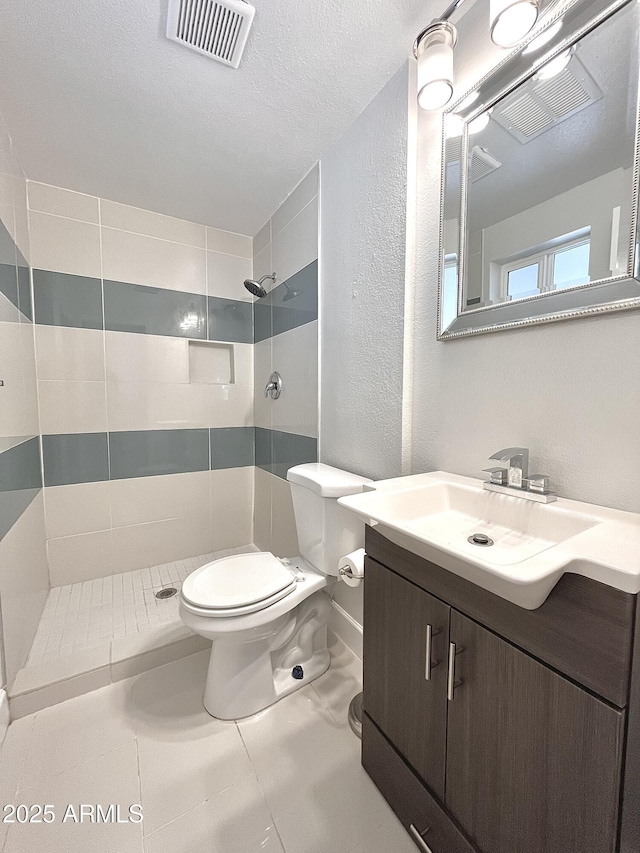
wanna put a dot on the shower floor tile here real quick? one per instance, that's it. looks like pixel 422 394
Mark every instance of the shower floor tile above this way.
pixel 83 616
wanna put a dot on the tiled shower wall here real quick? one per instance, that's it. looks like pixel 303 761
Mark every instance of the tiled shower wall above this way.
pixel 286 335
pixel 144 352
pixel 24 578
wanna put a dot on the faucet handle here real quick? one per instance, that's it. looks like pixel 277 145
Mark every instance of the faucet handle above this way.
pixel 498 476
pixel 539 483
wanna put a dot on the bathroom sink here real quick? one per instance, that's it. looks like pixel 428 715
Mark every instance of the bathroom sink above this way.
pixel 530 545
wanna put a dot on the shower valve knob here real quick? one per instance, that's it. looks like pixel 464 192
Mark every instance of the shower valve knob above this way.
pixel 274 386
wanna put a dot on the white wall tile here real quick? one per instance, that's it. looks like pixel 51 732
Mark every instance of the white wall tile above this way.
pixel 297 409
pixel 72 406
pixel 231 405
pixel 24 583
pixel 232 527
pixel 243 364
pixel 229 243
pixel 77 508
pixel 66 353
pixel 126 218
pixel 19 409
pixel 262 509
pixel 296 245
pixel 73 559
pixel 138 406
pixel 48 199
pixel 262 238
pixel 231 488
pixel 64 245
pixel 295 353
pixel 143 545
pixel 305 192
pixel 146 358
pixel 262 265
pixel 263 367
pixel 142 500
pixel 226 274
pixel 156 263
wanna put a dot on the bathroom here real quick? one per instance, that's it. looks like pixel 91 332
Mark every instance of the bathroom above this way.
pixel 261 341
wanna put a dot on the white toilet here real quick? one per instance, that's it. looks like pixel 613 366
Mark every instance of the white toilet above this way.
pixel 267 616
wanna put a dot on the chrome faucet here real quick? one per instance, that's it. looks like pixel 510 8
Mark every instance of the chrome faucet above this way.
pixel 518 471
pixel 516 480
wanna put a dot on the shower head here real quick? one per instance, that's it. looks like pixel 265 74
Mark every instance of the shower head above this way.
pixel 256 287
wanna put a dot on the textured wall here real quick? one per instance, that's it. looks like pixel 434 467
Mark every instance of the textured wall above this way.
pixel 364 185
pixel 568 391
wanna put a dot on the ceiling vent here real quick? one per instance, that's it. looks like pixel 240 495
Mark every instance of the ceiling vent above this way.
pixel 481 164
pixel 539 105
pixel 216 28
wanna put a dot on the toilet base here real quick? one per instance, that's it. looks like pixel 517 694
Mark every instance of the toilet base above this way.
pixel 250 671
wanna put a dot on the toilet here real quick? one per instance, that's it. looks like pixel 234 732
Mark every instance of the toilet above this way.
pixel 267 616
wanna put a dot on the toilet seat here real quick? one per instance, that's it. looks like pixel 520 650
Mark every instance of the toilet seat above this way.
pixel 233 586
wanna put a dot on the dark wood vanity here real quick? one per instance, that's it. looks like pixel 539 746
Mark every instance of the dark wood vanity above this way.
pixel 521 732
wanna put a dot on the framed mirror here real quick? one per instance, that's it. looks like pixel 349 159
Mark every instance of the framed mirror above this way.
pixel 539 218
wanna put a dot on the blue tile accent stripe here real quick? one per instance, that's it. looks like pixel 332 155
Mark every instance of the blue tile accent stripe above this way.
pixel 289 305
pixel 230 320
pixel 20 481
pixel 233 447
pixel 73 300
pixel 154 311
pixel 277 451
pixel 15 281
pixel 75 458
pixel 147 453
pixel 67 300
pixel 97 456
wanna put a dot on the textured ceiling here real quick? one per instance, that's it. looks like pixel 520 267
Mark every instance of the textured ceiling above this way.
pixel 98 100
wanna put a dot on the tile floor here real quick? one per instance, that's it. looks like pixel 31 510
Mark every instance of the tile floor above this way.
pixel 287 780
pixel 82 616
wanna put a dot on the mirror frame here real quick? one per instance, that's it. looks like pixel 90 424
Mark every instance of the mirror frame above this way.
pixel 603 296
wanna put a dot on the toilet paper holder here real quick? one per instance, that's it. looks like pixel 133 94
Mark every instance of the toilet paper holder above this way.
pixel 346 571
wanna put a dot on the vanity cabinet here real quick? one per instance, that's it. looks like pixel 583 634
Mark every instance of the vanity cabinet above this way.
pixel 477 744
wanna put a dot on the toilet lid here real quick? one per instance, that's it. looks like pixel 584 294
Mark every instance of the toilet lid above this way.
pixel 238 581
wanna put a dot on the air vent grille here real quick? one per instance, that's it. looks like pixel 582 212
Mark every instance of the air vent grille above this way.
pixel 216 28
pixel 540 105
pixel 527 116
pixel 481 163
pixel 563 94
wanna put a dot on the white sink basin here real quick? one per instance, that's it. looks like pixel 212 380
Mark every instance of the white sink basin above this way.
pixel 433 515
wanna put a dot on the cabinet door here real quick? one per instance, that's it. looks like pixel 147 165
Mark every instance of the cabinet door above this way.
pixel 533 762
pixel 409 708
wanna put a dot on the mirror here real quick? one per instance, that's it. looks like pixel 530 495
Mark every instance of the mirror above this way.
pixel 539 204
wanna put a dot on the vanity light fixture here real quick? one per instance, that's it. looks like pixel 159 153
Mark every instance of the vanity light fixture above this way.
pixel 434 51
pixel 512 20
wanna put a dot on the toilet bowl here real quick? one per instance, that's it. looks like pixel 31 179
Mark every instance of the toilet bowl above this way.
pixel 267 616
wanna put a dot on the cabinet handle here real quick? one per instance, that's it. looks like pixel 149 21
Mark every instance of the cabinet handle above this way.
pixel 418 837
pixel 451 675
pixel 428 663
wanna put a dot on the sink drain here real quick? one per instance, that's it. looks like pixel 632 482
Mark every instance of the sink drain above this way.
pixel 480 539
pixel 167 592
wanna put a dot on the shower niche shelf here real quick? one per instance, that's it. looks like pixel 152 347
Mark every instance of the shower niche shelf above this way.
pixel 211 363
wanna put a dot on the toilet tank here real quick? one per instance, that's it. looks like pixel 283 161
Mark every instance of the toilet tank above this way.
pixel 326 530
